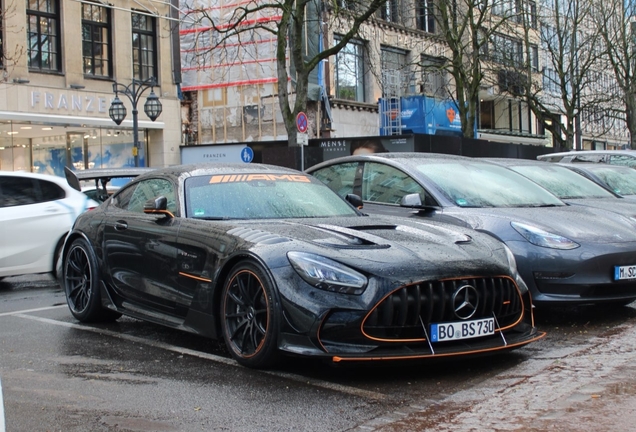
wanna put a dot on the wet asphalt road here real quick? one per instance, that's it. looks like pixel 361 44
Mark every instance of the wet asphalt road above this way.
pixel 58 375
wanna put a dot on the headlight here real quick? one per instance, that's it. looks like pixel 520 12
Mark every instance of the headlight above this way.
pixel 327 274
pixel 542 238
pixel 512 263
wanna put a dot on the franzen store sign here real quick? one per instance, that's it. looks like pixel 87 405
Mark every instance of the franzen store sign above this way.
pixel 47 106
pixel 73 104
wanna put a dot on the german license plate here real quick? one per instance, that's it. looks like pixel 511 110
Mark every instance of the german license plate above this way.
pixel 462 330
pixel 625 272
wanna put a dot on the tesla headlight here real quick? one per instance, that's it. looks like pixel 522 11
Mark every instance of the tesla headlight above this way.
pixel 512 263
pixel 327 274
pixel 542 238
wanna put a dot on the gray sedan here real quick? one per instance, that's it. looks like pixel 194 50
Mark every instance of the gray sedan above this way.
pixel 570 186
pixel 619 179
pixel 566 254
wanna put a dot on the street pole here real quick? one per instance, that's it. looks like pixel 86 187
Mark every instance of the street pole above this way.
pixel 133 92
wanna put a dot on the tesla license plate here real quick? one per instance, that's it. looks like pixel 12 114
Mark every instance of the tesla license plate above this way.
pixel 625 272
pixel 462 330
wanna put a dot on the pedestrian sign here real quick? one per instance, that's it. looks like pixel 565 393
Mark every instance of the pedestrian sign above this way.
pixel 247 155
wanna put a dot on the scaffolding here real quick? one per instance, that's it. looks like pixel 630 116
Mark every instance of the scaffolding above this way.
pixel 234 78
pixel 391 103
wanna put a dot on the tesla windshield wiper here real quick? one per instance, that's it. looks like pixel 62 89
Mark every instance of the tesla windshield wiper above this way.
pixel 213 218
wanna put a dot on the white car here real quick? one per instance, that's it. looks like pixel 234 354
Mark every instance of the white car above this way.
pixel 36 212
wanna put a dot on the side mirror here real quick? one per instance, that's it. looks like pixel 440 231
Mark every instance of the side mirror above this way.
pixel 411 200
pixel 157 205
pixel 355 201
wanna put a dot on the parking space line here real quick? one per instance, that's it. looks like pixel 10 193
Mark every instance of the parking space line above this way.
pixel 2 429
pixel 32 310
pixel 292 377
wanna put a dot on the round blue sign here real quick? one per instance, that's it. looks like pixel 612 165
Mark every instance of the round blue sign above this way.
pixel 247 155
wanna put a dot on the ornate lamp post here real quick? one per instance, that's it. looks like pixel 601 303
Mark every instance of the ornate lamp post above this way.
pixel 133 91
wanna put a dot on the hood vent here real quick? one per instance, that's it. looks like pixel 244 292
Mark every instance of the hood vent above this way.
pixel 257 236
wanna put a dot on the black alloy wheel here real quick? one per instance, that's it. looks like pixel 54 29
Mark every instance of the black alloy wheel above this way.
pixel 250 316
pixel 81 283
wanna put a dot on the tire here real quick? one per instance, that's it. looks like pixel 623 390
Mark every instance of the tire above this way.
pixel 81 284
pixel 250 316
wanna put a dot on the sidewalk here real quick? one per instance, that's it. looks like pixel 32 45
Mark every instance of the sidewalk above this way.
pixel 592 388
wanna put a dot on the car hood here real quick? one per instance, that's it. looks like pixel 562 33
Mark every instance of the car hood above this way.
pixel 435 248
pixel 582 224
pixel 616 205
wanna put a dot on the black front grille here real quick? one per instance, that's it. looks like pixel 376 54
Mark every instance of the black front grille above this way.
pixel 408 310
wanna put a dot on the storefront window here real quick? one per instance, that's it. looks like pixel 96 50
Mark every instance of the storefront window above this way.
pixel 48 149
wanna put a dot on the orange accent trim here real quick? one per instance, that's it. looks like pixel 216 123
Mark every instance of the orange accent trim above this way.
pixel 337 359
pixel 441 280
pixel 194 277
pixel 233 178
pixel 166 212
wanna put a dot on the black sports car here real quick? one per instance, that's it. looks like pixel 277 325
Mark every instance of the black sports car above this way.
pixel 273 261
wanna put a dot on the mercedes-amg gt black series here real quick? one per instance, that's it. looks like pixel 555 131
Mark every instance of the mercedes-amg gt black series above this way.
pixel 273 262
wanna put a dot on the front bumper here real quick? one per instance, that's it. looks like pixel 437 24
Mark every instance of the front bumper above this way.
pixel 392 323
pixel 580 276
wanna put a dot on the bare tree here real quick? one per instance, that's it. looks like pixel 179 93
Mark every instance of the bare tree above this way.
pixel 469 28
pixel 287 21
pixel 567 85
pixel 9 56
pixel 617 29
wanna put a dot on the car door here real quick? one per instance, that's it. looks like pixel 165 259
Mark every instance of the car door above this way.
pixel 140 249
pixel 32 222
pixel 383 187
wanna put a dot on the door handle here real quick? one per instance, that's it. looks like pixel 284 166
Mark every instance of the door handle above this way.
pixel 121 226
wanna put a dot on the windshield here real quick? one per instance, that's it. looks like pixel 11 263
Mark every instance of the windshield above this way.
pixel 261 196
pixel 562 182
pixel 478 184
pixel 623 182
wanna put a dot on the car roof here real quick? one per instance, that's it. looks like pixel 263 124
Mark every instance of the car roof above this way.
pixel 516 162
pixel 398 157
pixel 591 166
pixel 548 156
pixel 25 174
pixel 212 168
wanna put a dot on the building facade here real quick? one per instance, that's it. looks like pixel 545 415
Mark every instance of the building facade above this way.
pixel 57 84
pixel 398 54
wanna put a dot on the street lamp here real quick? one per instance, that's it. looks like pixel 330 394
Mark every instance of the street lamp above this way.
pixel 133 91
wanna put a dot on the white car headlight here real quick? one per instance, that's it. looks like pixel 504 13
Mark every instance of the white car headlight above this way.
pixel 542 238
pixel 327 274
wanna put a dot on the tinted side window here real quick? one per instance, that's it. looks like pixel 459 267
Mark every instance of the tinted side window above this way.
pixel 50 191
pixel 385 184
pixel 122 197
pixel 15 191
pixel 151 189
pixel 339 178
